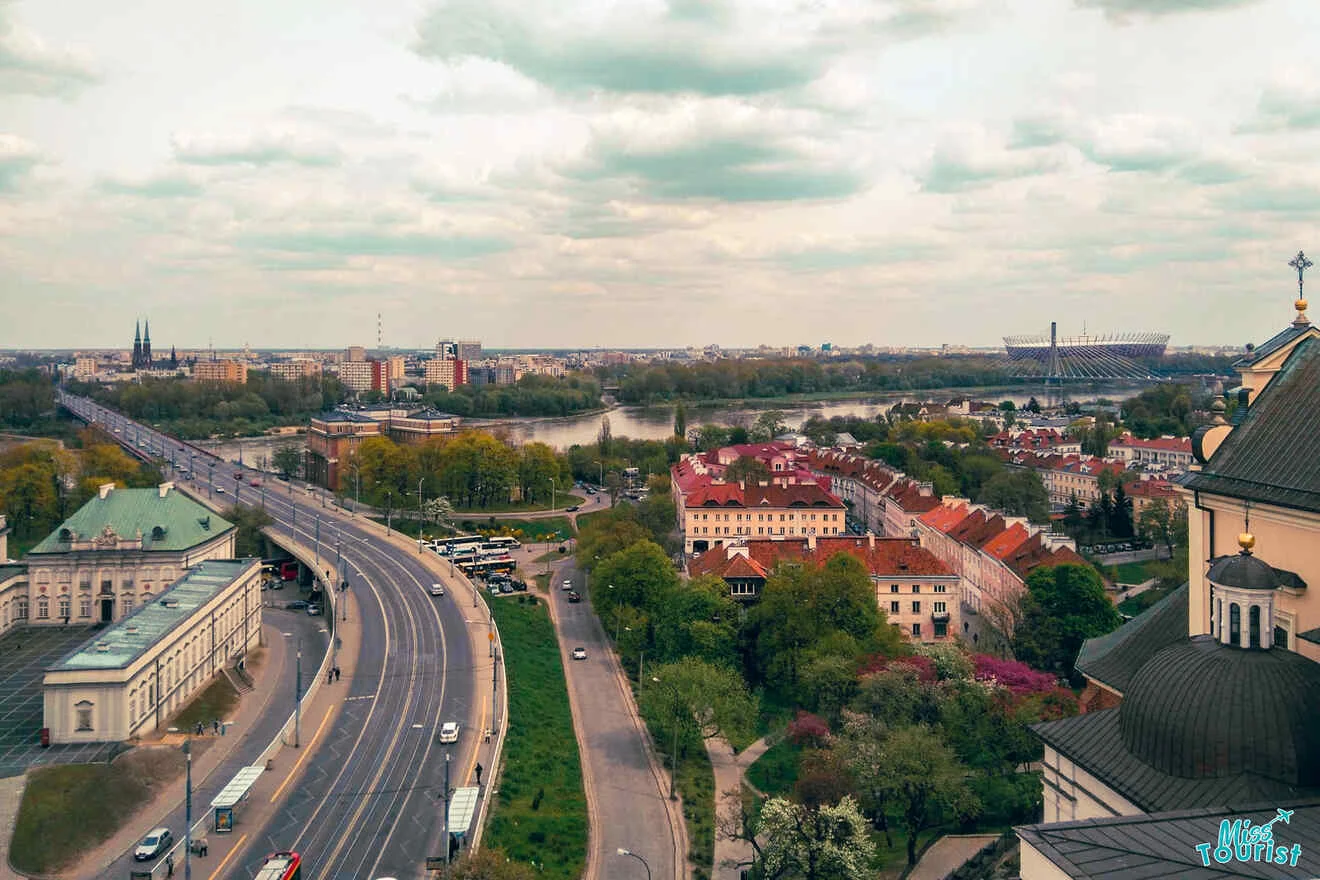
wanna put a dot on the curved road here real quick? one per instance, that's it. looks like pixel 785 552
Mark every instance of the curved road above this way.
pixel 367 803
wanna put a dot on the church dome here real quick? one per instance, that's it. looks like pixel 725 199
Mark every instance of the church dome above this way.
pixel 1242 570
pixel 1199 709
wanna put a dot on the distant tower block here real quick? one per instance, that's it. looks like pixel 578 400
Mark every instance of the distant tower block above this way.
pixel 1084 357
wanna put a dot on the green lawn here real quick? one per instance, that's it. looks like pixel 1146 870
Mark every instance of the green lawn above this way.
pixel 532 530
pixel 1132 573
pixel 776 771
pixel 1139 603
pixel 561 500
pixel 217 701
pixel 69 809
pixel 541 815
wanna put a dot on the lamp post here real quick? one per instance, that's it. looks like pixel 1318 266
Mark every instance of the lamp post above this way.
pixel 673 757
pixel 602 472
pixel 187 812
pixel 626 852
pixel 297 697
pixel 552 493
pixel 419 513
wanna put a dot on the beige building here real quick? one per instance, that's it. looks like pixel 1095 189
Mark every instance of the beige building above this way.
pixel 721 513
pixel 117 552
pixel 449 372
pixel 84 367
pixel 131 677
pixel 354 354
pixel 357 375
pixel 295 370
pixel 220 371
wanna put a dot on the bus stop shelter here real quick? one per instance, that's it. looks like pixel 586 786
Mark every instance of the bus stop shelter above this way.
pixel 462 807
pixel 233 794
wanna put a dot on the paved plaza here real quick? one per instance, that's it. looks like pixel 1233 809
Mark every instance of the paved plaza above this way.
pixel 25 653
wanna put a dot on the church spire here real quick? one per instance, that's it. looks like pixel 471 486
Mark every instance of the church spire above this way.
pixel 146 344
pixel 137 345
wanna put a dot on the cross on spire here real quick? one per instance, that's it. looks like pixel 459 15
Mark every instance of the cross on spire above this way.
pixel 1301 264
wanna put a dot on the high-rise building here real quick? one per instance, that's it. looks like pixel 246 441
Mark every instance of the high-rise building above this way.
pixel 220 371
pixel 469 350
pixel 356 375
pixel 355 354
pixel 295 370
pixel 448 372
pixel 84 367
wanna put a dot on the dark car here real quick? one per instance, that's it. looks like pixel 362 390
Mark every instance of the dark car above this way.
pixel 295 605
pixel 574 596
pixel 519 586
pixel 574 509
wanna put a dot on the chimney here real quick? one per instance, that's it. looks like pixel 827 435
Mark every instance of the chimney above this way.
pixel 164 489
pixel 104 489
pixel 742 484
pixel 870 539
pixel 736 550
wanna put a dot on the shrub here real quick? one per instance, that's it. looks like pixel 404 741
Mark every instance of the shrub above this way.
pixel 808 730
pixel 1018 677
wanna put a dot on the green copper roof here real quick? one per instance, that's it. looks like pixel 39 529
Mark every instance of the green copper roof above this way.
pixel 118 645
pixel 183 523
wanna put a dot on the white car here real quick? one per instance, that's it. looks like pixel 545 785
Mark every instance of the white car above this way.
pixel 156 842
pixel 568 585
pixel 579 653
pixel 449 732
pixel 437 590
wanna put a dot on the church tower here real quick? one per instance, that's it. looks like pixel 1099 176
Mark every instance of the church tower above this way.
pixel 137 345
pixel 146 345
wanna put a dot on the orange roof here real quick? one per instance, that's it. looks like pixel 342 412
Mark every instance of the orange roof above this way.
pixel 1002 544
pixel 890 557
pixel 946 516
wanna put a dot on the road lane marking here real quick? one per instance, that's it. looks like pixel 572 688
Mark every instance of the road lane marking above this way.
pixel 307 750
pixel 220 868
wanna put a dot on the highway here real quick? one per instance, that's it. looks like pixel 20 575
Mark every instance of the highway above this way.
pixel 368 803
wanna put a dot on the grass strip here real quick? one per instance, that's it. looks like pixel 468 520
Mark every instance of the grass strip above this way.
pixel 214 703
pixel 696 785
pixel 541 813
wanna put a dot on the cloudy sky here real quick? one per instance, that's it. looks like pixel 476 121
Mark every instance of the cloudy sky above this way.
pixel 548 173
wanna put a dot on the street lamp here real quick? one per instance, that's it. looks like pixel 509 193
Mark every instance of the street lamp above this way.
pixel 673 758
pixel 626 852
pixel 602 472
pixel 357 484
pixel 552 493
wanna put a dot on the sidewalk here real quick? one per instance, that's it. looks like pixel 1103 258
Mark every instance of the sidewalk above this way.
pixel 729 772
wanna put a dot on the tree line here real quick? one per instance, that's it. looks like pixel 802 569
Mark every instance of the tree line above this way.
pixel 532 395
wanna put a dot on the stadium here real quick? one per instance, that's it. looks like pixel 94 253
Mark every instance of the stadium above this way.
pixel 1116 356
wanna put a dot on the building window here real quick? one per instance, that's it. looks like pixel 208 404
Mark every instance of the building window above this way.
pixel 893 608
pixel 940 608
pixel 1281 637
pixel 64 607
pixel 126 604
pixel 84 713
pixel 1234 624
pixel 940 588
pixel 941 629
pixel 22 611
pixel 84 607
pixel 916 588
pixel 916 630
pixel 1253 625
pixel 107 587
pixel 43 608
pixel 916 607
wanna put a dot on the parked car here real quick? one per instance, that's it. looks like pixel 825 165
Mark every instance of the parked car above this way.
pixel 437 589
pixel 568 585
pixel 520 586
pixel 574 509
pixel 296 605
pixel 449 732
pixel 574 596
pixel 157 841
pixel 506 588
pixel 579 653
pixel 313 610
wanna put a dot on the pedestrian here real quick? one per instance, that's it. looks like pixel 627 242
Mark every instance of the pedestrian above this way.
pixel 201 848
pixel 169 865
pixel 215 725
pixel 478 774
pixel 336 673
pixel 329 676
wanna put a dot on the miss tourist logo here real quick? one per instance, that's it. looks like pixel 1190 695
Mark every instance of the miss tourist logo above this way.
pixel 1241 841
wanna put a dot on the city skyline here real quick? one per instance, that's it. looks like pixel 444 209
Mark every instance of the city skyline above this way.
pixel 583 176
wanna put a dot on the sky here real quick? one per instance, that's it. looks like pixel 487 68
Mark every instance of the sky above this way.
pixel 580 173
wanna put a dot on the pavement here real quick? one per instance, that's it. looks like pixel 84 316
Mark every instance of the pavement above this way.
pixel 948 854
pixel 730 768
pixel 627 790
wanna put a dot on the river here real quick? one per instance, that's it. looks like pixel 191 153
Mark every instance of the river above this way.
pixel 657 423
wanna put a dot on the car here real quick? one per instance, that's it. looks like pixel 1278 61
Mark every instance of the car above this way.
pixel 449 732
pixel 574 596
pixel 520 586
pixel 313 610
pixel 579 653
pixel 506 589
pixel 591 491
pixel 296 605
pixel 156 842
pixel 437 589
pixel 568 585
pixel 574 509
pixel 219 490
pixel 256 483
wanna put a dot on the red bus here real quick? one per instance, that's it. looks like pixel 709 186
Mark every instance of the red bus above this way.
pixel 281 866
pixel 288 570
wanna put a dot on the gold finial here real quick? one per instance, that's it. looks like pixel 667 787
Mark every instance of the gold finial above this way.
pixel 1246 541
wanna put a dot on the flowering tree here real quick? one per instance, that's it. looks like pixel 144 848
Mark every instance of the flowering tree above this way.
pixel 829 842
pixel 808 730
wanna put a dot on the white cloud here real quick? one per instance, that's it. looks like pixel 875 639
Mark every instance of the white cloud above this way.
pixel 281 148
pixel 17 158
pixel 28 65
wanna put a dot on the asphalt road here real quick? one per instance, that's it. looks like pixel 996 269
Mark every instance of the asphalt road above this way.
pixel 367 805
pixel 629 809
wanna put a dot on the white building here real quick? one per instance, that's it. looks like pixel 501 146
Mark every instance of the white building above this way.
pixel 131 677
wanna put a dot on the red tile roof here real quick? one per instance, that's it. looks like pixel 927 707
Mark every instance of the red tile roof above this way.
pixel 776 496
pixel 1172 444
pixel 1150 489
pixel 1006 541
pixel 945 516
pixel 889 557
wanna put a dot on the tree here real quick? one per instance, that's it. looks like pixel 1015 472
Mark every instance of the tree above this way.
pixel 709 437
pixel 1120 515
pixel 250 521
pixel 830 682
pixel 821 843
pixel 1018 493
pixel 698 618
pixel 27 494
pixel 604 438
pixel 753 470
pixel 538 466
pixel 1074 519
pixel 1064 605
pixel 488 864
pixel 1007 406
pixel 641 574
pixel 1164 523
pixel 439 511
pixel 768 425
pixel 922 776
pixel 1033 406
pixel 680 421
pixel 701 698
pixel 288 459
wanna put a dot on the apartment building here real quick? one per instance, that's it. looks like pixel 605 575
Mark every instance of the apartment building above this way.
pixel 295 370
pixel 220 371
pixel 446 371
pixel 1167 453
